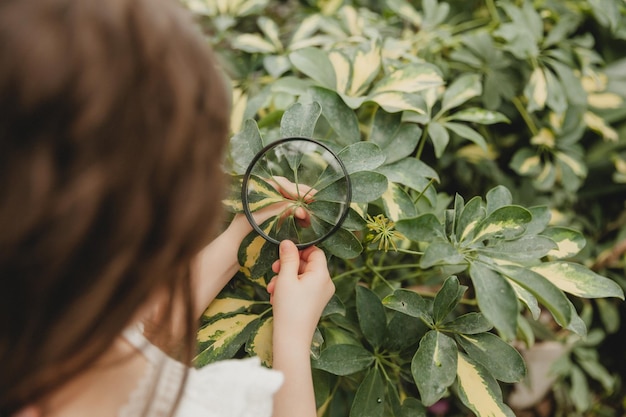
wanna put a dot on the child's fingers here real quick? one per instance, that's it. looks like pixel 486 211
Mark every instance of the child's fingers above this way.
pixel 289 258
pixel 276 266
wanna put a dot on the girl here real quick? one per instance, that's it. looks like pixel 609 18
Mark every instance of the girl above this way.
pixel 113 122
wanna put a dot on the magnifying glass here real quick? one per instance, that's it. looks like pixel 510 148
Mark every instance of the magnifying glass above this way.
pixel 304 186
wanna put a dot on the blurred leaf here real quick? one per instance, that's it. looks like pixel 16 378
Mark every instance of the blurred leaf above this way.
pixel 462 89
pixel 227 305
pixel 314 63
pixel 244 146
pixel 480 116
pixel 434 366
pixel 439 136
pixel 410 79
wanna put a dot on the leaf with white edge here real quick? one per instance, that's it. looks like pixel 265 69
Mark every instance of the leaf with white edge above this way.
pixel 361 156
pixel 300 119
pixel 569 241
pixel 498 357
pixel 480 116
pixel 343 359
pixel 398 101
pixel 397 204
pixel 467 133
pixel 306 29
pixel 496 298
pixel 423 228
pixel 528 299
pixel 472 214
pixel 441 253
pixel 578 280
pixel 478 390
pixel 434 366
pixel 411 78
pixel 506 222
pixel 410 303
pixel 223 338
pixel 315 63
pixel 260 342
pixel 526 161
pixel 462 89
pixel 406 11
pixel 439 136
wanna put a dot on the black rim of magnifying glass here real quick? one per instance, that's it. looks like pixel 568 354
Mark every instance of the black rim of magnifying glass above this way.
pixel 246 177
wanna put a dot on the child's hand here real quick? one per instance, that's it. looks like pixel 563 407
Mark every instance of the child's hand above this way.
pixel 299 292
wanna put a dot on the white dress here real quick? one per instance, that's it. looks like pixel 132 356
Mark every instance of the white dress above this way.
pixel 229 388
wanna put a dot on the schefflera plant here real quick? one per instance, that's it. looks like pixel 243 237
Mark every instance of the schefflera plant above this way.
pixel 406 352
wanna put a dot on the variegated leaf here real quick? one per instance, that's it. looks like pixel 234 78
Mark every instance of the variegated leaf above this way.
pixel 434 366
pixel 397 203
pixel 410 79
pixel 536 90
pixel 342 67
pixel 498 357
pixel 569 241
pixel 223 338
pixel 365 68
pixel 462 89
pixel 478 390
pixel 260 342
pixel 316 64
pixel 397 101
pixel 228 305
pixel 253 43
pixel 472 214
pixel 256 254
pixel 271 32
pixel 526 161
pixel 480 116
pixel 578 280
pixel 506 222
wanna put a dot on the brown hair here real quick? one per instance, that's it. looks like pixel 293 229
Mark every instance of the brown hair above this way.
pixel 113 120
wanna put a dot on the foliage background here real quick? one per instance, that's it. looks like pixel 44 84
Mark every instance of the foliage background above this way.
pixel 486 141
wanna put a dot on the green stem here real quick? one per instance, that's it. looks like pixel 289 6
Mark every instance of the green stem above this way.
pixel 420 146
pixel 493 11
pixel 525 115
pixel 430 183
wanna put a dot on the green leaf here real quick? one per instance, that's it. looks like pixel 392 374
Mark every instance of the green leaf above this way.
pixel 526 162
pixel 300 119
pixel 498 357
pixel 403 331
pixel 478 390
pixel 525 248
pixel 462 89
pixel 342 244
pixel 343 359
pixel 314 63
pixel 434 366
pixel 439 136
pixel 569 241
pixel 397 203
pixel 410 172
pixel 369 400
pixel 244 146
pixel 544 290
pixel 361 156
pixel 441 253
pixel 498 197
pixel 470 323
pixel 367 186
pixel 340 117
pixel 399 143
pixel 424 228
pixel 447 298
pixel 410 303
pixel 371 315
pixel 471 215
pixel 506 222
pixel 480 116
pixel 541 219
pixel 496 298
pixel 578 280
pixel 467 133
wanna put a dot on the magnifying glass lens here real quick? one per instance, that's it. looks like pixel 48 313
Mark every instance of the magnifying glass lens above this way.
pixel 303 186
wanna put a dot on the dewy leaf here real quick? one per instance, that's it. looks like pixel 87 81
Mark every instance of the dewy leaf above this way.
pixel 470 323
pixel 478 390
pixel 340 117
pixel 578 280
pixel 412 78
pixel 506 222
pixel 343 359
pixel 410 303
pixel 498 357
pixel 447 298
pixel 462 89
pixel 569 241
pixel 424 228
pixel 434 366
pixel 441 253
pixel 314 63
pixel 361 156
pixel 370 396
pixel 300 120
pixel 371 315
pixel 496 298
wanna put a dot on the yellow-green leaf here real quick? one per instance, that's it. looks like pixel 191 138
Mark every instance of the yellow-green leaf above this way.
pixel 410 79
pixel 226 306
pixel 260 343
pixel 343 69
pixel 396 101
pixel 537 90
pixel 578 280
pixel 253 43
pixel 365 67
pixel 221 331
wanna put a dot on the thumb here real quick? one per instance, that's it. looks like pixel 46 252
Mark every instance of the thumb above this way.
pixel 289 258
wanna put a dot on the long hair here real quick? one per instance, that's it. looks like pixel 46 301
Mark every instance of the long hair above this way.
pixel 113 120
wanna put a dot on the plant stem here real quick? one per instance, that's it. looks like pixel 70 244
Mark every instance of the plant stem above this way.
pixel 525 115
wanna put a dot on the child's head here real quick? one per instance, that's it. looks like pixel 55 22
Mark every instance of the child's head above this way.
pixel 113 119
